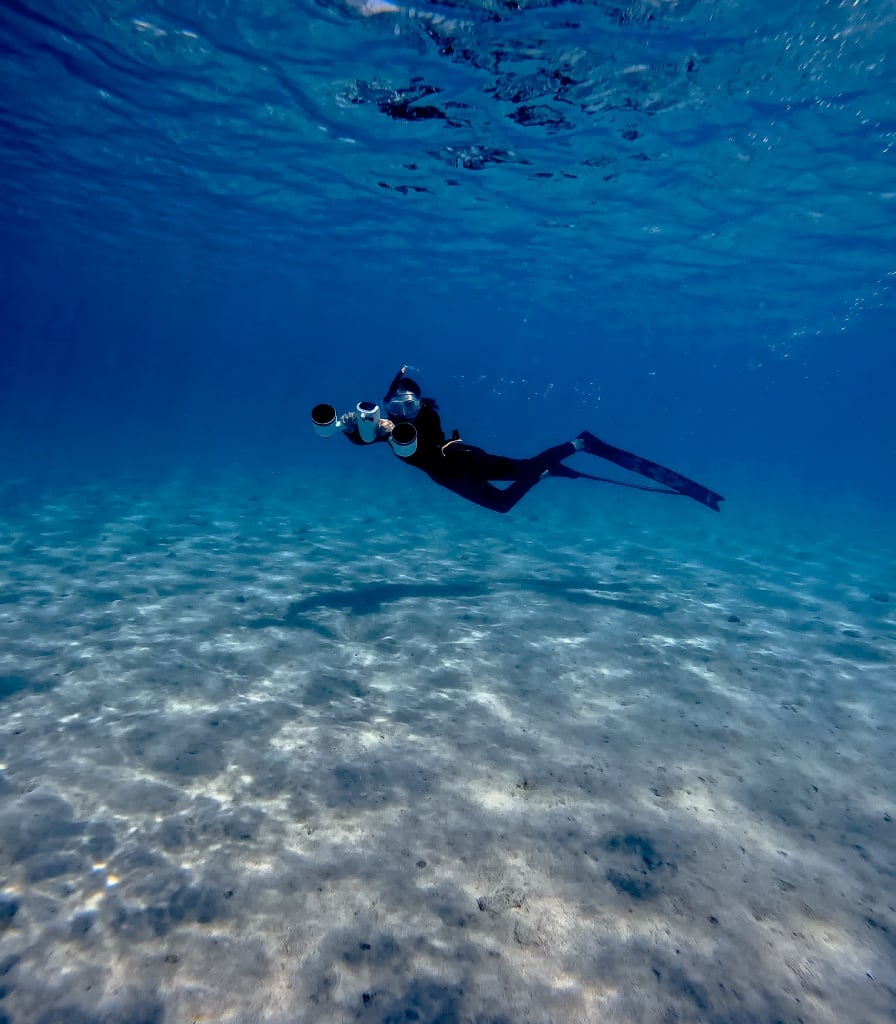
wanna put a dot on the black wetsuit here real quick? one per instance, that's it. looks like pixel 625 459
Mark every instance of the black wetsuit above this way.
pixel 468 471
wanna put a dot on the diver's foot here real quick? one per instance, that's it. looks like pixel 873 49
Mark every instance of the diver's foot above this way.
pixel 560 470
pixel 652 470
pixel 588 442
pixel 369 7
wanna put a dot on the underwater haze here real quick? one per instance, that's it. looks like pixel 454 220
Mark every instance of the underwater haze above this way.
pixel 290 733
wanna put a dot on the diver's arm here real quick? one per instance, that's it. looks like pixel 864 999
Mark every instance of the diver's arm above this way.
pixel 384 429
pixel 350 428
pixel 396 380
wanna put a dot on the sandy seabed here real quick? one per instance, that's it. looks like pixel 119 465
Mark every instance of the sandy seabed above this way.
pixel 597 761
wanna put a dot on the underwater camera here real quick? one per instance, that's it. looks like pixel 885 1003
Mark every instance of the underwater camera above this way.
pixel 366 416
pixel 368 420
pixel 403 439
pixel 403 436
pixel 325 420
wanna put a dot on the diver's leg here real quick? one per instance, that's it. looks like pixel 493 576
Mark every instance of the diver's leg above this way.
pixel 501 467
pixel 524 474
pixel 486 495
pixel 469 470
pixel 549 461
pixel 477 464
pixel 667 477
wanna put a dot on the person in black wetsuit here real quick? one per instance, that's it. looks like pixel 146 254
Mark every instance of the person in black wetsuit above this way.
pixel 469 471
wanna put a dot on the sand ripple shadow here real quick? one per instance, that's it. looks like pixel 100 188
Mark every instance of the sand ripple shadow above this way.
pixel 372 598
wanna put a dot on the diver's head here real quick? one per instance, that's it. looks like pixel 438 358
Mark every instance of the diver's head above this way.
pixel 404 402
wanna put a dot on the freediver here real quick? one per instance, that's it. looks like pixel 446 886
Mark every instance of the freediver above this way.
pixel 413 428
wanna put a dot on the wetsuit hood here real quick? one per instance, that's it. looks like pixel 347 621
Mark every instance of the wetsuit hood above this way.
pixel 403 402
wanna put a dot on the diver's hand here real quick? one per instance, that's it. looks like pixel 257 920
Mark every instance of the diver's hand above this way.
pixel 387 426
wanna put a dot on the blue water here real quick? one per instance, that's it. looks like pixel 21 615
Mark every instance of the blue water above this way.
pixel 288 733
pixel 669 222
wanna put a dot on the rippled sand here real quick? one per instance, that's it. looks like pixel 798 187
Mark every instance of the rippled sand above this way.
pixel 276 755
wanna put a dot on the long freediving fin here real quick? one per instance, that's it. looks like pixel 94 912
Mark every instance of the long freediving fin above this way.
pixel 652 470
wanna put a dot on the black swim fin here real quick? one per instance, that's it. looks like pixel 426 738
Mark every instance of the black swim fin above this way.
pixel 667 477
